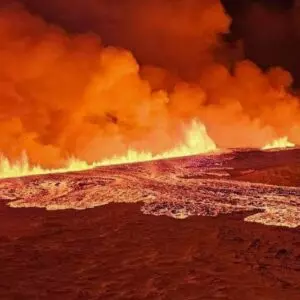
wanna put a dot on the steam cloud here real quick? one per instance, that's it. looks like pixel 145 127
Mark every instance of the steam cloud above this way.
pixel 64 93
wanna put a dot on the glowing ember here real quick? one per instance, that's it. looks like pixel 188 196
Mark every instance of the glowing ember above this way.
pixel 279 144
pixel 196 141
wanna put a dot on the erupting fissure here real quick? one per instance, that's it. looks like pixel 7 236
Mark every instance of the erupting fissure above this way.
pixel 64 94
pixel 196 141
pixel 280 143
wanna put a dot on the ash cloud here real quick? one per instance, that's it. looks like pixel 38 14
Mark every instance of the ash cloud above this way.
pixel 64 92
pixel 177 34
pixel 180 36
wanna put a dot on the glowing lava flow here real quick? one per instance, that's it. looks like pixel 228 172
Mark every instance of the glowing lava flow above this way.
pixel 280 143
pixel 196 141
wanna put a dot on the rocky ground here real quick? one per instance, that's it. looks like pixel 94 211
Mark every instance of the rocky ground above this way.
pixel 193 228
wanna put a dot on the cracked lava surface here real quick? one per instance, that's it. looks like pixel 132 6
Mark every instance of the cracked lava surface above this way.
pixel 263 183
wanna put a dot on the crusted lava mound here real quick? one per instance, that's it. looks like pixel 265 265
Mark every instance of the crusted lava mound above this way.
pixel 263 183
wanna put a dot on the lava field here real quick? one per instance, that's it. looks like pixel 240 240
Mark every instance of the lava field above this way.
pixel 263 183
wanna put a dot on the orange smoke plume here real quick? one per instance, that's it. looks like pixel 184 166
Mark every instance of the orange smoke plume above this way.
pixel 65 95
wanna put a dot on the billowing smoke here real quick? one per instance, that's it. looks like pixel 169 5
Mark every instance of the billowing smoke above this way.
pixel 181 35
pixel 65 94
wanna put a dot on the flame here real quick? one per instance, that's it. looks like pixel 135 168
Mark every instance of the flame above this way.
pixel 280 143
pixel 196 141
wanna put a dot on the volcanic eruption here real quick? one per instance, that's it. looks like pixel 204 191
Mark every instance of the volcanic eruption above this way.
pixel 66 95
pixel 148 149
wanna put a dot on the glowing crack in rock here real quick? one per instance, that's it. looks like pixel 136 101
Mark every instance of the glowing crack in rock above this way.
pixel 178 188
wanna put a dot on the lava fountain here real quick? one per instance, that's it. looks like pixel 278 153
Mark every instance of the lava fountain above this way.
pixel 196 141
pixel 280 143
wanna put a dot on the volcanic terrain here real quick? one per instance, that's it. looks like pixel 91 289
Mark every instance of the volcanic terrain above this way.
pixel 220 226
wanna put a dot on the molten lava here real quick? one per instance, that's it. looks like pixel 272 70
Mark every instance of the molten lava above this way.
pixel 196 141
pixel 280 143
